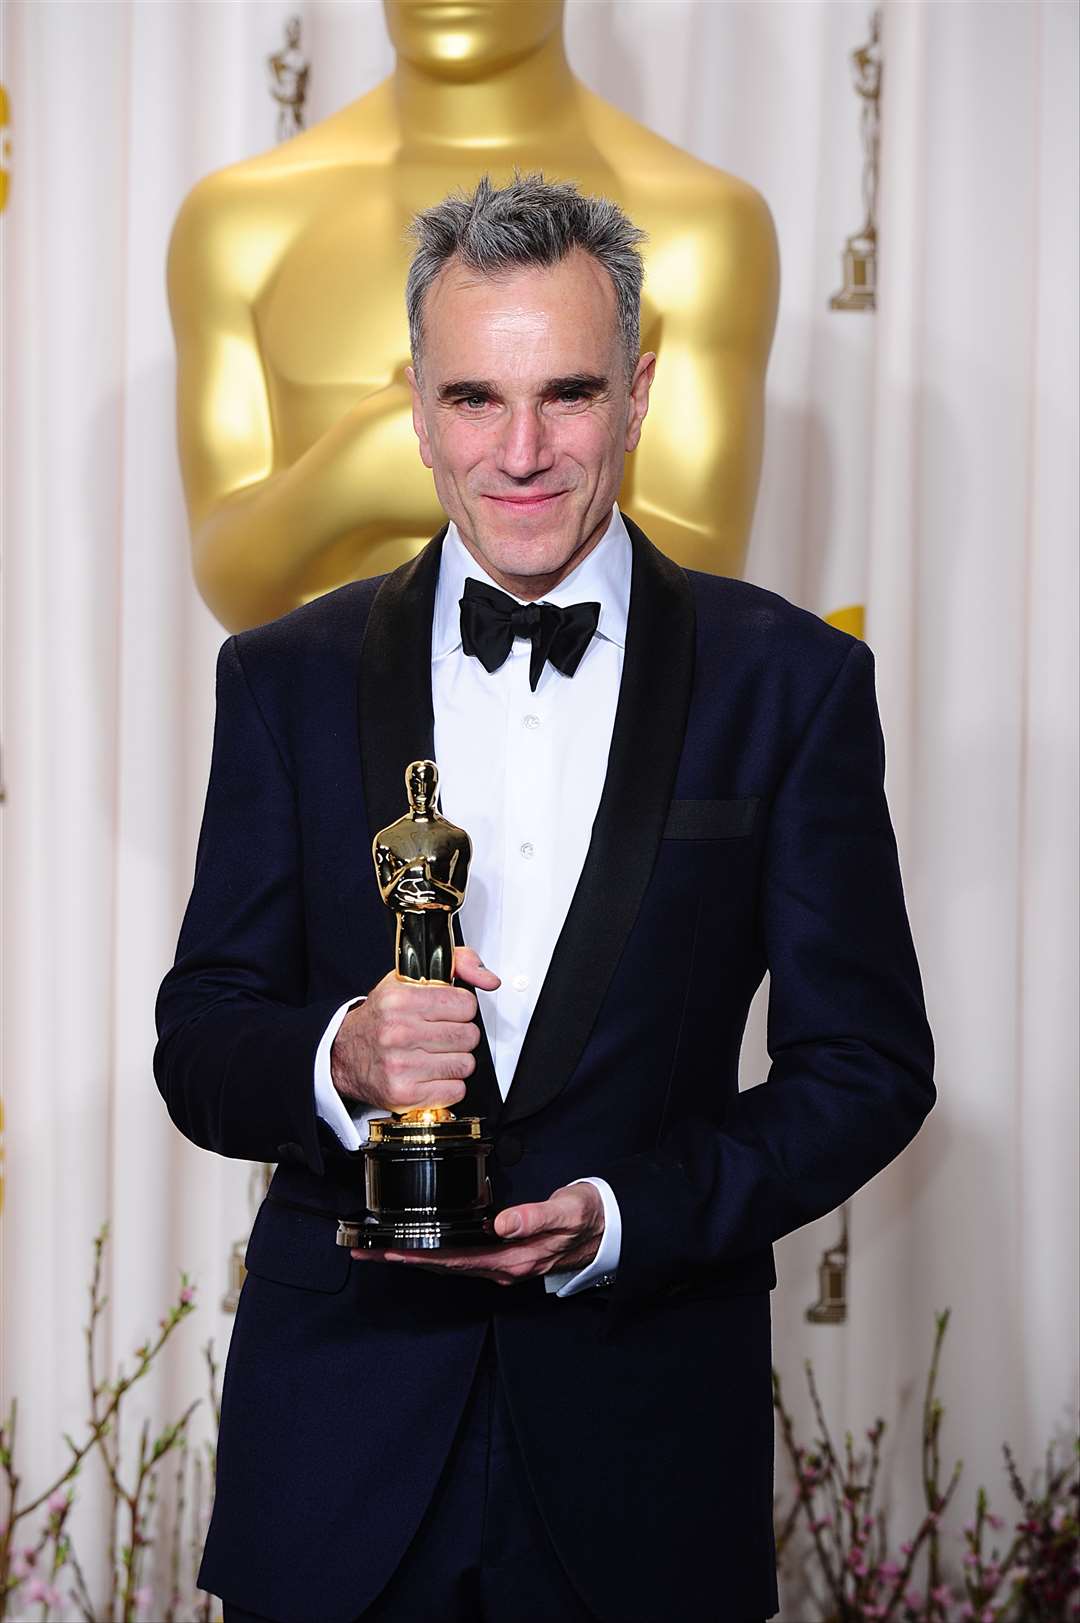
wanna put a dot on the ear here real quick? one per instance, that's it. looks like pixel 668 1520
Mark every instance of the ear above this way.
pixel 640 385
pixel 418 419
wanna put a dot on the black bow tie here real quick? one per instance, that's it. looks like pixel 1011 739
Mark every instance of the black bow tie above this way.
pixel 490 620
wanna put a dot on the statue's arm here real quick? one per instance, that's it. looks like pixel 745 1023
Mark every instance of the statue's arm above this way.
pixel 445 893
pixel 693 479
pixel 266 535
pixel 390 870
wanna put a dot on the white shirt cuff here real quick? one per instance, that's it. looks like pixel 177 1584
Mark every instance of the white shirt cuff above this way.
pixel 351 1127
pixel 601 1270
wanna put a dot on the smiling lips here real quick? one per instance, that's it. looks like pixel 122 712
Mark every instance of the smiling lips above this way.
pixel 527 503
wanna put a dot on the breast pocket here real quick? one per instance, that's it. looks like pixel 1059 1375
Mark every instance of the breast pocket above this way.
pixel 711 819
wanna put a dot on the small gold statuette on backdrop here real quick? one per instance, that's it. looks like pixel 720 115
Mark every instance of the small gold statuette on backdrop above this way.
pixel 425 1171
pixel 831 1305
pixel 258 1184
pixel 859 291
pixel 288 71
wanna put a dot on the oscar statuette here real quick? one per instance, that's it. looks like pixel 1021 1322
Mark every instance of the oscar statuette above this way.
pixel 425 1171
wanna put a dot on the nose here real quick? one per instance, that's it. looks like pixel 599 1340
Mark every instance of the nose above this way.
pixel 524 449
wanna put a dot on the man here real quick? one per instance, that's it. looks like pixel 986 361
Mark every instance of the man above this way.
pixel 690 794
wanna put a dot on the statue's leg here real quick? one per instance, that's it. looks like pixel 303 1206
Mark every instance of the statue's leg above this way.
pixel 411 946
pixel 440 955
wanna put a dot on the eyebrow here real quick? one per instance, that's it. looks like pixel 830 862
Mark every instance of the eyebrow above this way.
pixel 589 383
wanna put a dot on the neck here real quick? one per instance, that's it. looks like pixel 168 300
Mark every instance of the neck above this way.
pixel 508 108
pixel 531 588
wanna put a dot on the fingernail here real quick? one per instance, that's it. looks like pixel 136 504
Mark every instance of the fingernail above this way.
pixel 511 1226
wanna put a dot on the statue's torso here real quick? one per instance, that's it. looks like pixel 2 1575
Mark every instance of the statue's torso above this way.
pixel 330 311
pixel 288 297
pixel 435 841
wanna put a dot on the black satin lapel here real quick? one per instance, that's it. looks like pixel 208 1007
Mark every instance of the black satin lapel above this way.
pixel 482 1095
pixel 396 720
pixel 397 726
pixel 646 745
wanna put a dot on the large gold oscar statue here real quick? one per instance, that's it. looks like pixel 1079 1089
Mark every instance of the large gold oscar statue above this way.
pixel 286 283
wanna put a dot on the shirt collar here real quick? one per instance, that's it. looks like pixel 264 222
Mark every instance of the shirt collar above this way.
pixel 602 577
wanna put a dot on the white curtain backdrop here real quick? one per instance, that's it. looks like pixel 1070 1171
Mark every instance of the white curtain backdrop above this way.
pixel 920 460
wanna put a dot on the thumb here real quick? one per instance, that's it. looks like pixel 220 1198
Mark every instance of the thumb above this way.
pixel 468 968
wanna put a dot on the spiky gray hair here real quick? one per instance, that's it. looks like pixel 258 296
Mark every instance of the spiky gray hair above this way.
pixel 529 221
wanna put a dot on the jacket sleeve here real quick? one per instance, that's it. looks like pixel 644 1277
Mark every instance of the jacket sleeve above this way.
pixel 236 1041
pixel 852 1055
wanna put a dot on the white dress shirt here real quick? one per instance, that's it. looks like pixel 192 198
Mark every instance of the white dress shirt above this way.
pixel 523 772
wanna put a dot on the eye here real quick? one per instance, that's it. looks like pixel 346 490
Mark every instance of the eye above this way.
pixel 474 400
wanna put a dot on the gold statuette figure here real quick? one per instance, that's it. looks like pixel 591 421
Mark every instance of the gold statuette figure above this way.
pixel 422 865
pixel 286 271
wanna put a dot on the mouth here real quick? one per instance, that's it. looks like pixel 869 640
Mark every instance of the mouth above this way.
pixel 526 504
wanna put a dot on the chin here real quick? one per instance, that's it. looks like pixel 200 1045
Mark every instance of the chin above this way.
pixel 534 555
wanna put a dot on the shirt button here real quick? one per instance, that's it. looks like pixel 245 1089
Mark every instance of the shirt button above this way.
pixel 527 848
pixel 530 722
pixel 520 983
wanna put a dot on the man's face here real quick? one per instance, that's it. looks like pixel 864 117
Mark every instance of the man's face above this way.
pixel 525 413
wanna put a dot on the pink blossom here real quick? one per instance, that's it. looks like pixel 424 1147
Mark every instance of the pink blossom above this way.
pixel 143 1598
pixel 913 1599
pixel 187 1295
pixel 23 1562
pixel 1057 1520
pixel 988 1615
pixel 942 1594
pixel 45 1594
pixel 906 1549
pixel 870 1610
pixel 868 1523
pixel 996 1522
pixel 57 1502
pixel 970 1558
pixel 967 1611
pixel 889 1569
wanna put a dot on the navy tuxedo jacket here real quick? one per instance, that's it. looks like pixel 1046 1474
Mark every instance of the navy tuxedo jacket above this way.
pixel 742 827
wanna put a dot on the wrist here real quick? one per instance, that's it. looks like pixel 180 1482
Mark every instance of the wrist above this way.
pixel 342 1074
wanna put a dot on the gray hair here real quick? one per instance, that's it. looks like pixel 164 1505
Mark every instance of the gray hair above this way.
pixel 529 221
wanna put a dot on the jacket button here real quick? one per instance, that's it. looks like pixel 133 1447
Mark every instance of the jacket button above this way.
pixel 509 1149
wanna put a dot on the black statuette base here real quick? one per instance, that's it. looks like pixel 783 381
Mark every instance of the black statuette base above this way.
pixel 426 1188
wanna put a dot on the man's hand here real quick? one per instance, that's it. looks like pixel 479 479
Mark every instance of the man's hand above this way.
pixel 561 1233
pixel 411 1047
